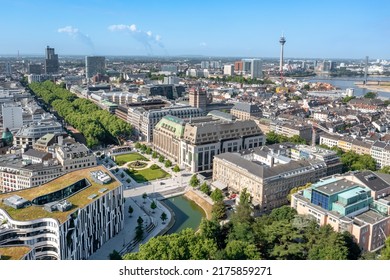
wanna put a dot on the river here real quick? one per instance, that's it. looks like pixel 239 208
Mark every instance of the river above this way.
pixel 349 82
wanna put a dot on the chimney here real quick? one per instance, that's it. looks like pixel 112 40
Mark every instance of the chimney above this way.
pixel 60 140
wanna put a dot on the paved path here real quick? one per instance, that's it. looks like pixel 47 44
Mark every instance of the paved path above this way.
pixel 158 189
pixel 121 240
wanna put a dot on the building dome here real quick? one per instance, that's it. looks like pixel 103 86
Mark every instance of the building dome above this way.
pixel 7 137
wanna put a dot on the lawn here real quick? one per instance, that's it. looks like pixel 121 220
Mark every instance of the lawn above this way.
pixel 145 175
pixel 122 159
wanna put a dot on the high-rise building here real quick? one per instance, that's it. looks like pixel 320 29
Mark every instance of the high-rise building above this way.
pixel 12 116
pixel 238 66
pixel 198 98
pixel 282 41
pixel 94 65
pixel 34 69
pixel 256 69
pixel 228 70
pixel 51 61
pixel 8 69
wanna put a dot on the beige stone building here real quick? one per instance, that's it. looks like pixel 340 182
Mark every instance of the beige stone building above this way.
pixel 246 111
pixel 268 185
pixel 194 142
pixel 290 129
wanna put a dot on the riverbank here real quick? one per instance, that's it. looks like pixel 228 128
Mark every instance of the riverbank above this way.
pixel 374 87
pixel 201 202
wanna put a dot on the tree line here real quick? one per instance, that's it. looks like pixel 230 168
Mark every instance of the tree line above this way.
pixel 272 137
pixel 280 235
pixel 97 125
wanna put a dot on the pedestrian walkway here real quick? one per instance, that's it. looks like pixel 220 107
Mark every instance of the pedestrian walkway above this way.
pixel 127 235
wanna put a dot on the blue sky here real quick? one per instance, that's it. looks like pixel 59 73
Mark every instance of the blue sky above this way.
pixel 323 29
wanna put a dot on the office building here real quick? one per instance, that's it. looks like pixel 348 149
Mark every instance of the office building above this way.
pixel 29 133
pixel 34 69
pixel 170 91
pixel 289 129
pixel 194 142
pixel 356 202
pixel 267 176
pixel 198 98
pixel 12 114
pixel 51 61
pixel 144 118
pixel 256 69
pixel 228 70
pixel 68 218
pixel 246 111
pixel 94 65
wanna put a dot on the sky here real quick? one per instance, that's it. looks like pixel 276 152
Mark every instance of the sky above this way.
pixel 240 28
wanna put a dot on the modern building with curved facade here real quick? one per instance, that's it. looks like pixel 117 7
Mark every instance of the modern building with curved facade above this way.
pixel 68 218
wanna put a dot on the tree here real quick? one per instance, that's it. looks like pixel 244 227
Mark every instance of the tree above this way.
pixel 385 252
pixel 137 145
pixel 216 195
pixel 184 245
pixel 114 255
pixel 148 151
pixel 241 250
pixel 154 166
pixel 385 169
pixel 205 188
pixel 347 99
pixel 245 198
pixel 370 95
pixel 271 138
pixel 144 196
pixel 154 154
pixel 218 211
pixel 153 206
pixel 163 217
pixel 168 163
pixel 161 158
pixel 176 168
pixel 131 210
pixel 139 229
pixel 194 182
pixel 297 139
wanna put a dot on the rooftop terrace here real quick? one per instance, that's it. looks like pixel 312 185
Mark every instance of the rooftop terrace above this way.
pixel 78 200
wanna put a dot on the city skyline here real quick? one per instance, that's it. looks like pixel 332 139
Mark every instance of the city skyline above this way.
pixel 252 29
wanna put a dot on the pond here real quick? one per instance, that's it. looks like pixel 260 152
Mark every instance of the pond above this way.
pixel 187 213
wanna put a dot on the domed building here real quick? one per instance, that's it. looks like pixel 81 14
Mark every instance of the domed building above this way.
pixel 7 137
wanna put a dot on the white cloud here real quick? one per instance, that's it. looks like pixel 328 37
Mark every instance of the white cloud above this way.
pixel 76 34
pixel 145 38
pixel 68 29
pixel 133 28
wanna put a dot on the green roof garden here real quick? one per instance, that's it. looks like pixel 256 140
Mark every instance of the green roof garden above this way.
pixel 13 252
pixel 78 200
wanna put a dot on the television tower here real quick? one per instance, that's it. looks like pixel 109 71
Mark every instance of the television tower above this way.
pixel 282 41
